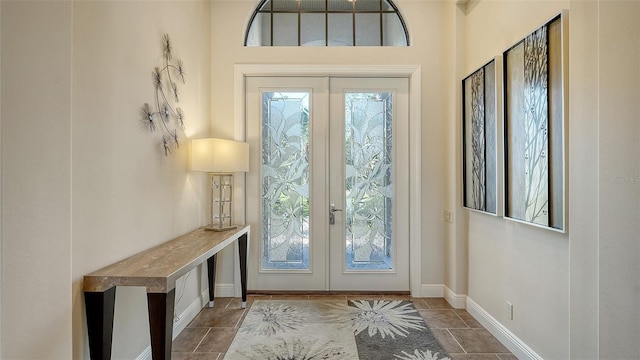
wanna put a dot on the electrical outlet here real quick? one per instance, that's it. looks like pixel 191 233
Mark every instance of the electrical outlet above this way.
pixel 509 311
pixel 448 216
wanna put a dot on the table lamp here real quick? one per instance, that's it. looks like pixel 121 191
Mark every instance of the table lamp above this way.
pixel 220 158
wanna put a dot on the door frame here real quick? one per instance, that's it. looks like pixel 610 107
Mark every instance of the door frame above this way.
pixel 413 72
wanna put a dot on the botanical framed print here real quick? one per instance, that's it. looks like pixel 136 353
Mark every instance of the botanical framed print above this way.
pixel 535 111
pixel 479 139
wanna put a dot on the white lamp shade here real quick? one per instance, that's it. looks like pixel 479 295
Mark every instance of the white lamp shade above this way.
pixel 219 155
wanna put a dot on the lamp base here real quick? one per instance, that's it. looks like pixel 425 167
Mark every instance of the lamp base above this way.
pixel 215 228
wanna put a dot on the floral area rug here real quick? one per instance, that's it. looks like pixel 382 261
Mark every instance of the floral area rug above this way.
pixel 349 330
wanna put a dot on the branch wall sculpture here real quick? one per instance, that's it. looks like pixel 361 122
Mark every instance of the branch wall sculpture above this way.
pixel 165 114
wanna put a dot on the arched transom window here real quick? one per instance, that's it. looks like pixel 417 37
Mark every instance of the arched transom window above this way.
pixel 326 23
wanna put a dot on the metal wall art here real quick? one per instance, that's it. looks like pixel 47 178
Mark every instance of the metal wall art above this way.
pixel 479 139
pixel 535 77
pixel 164 113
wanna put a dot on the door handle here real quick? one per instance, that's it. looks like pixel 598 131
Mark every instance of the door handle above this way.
pixel 332 215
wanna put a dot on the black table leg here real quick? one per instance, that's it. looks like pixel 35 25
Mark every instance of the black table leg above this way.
pixel 99 309
pixel 161 323
pixel 242 247
pixel 211 269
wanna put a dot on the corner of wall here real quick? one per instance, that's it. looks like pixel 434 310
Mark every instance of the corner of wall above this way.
pixel 1 201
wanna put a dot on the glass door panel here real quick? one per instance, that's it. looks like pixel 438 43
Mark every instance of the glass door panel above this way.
pixel 368 180
pixel 285 180
pixel 368 156
pixel 327 188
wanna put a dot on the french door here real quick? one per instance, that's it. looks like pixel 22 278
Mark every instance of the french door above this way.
pixel 327 189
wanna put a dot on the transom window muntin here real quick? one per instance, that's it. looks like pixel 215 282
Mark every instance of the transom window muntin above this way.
pixel 326 23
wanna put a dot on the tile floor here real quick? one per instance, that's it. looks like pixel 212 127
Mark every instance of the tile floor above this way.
pixel 209 335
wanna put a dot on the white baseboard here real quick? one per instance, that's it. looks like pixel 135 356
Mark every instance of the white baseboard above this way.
pixel 225 290
pixel 146 354
pixel 457 301
pixel 431 291
pixel 506 337
pixel 190 313
pixel 442 291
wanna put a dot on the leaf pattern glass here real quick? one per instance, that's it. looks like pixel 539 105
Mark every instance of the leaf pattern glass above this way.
pixel 285 180
pixel 368 180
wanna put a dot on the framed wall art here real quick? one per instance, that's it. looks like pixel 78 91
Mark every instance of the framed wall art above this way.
pixel 479 138
pixel 535 114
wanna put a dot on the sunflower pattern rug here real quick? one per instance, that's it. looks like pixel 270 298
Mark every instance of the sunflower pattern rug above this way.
pixel 348 330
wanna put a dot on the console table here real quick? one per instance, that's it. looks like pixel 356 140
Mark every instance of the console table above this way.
pixel 157 269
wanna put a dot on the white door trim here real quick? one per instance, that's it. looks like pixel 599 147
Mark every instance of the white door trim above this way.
pixel 413 72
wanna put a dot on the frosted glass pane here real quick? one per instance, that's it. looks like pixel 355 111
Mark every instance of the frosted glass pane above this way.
pixel 368 29
pixel 468 139
pixel 480 139
pixel 536 125
pixel 340 30
pixel 393 31
pixel 312 5
pixel 516 194
pixel 285 181
pixel 368 181
pixel 556 134
pixel 260 31
pixel 475 128
pixel 312 30
pixel 266 6
pixel 278 24
pixel 340 5
pixel 285 29
pixel 368 5
pixel 490 129
pixel 285 5
pixel 527 130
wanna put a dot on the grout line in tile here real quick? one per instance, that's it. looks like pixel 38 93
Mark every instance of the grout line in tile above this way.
pixel 201 340
pixel 457 342
pixel 461 319
pixel 240 319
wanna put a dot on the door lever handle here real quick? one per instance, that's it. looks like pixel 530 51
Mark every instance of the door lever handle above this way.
pixel 332 216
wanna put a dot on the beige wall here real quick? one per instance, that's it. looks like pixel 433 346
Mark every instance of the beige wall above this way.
pixel 0 178
pixel 584 283
pixel 36 173
pixel 510 261
pixel 619 227
pixel 84 184
pixel 605 186
pixel 583 215
pixel 127 196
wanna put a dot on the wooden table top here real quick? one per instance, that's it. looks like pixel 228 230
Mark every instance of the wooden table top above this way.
pixel 158 268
